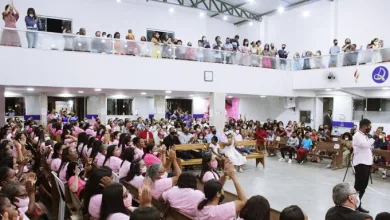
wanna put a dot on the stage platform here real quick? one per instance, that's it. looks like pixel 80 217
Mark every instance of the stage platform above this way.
pixel 309 186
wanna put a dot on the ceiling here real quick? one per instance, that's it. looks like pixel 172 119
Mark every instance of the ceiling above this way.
pixel 232 8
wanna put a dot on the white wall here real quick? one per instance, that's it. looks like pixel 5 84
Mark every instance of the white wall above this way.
pixel 199 105
pixel 251 32
pixel 141 106
pixel 109 16
pixel 33 105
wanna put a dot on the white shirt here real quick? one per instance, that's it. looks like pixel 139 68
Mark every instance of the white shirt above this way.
pixel 185 138
pixel 362 146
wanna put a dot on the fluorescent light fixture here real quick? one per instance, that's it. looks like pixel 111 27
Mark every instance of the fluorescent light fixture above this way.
pixel 167 97
pixel 6 93
pixel 118 96
pixel 168 92
pixel 328 89
pixel 65 94
pixel 30 89
pixel 263 96
pixel 230 96
pixel 281 9
pixel 386 88
pixel 201 14
pixel 306 14
pixel 171 10
pixel 225 18
pixel 143 93
pixel 81 92
pixel 191 95
pixel 98 90
pixel 250 23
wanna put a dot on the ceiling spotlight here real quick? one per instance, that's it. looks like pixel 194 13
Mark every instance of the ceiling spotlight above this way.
pixel 230 96
pixel 98 90
pixel 263 96
pixel 171 10
pixel 169 92
pixel 250 23
pixel 225 18
pixel 30 89
pixel 81 92
pixel 119 1
pixel 306 13
pixel 280 9
pixel 201 14
pixel 143 93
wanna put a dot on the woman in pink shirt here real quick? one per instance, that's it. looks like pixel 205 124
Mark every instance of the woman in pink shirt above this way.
pixel 68 155
pixel 150 155
pixel 128 158
pixel 209 169
pixel 55 160
pixel 114 203
pixel 184 197
pixel 124 142
pixel 96 151
pixel 256 206
pixel 112 158
pixel 211 208
pixel 115 138
pixel 156 171
pixel 135 176
pixel 82 143
pixel 10 17
pixel 91 140
pixel 75 182
pixel 93 191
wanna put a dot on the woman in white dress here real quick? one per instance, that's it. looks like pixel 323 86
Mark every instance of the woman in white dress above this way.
pixel 234 156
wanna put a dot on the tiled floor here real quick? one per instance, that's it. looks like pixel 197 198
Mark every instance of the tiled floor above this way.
pixel 309 186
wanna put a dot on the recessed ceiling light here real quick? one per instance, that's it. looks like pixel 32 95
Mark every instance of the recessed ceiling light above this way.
pixel 281 9
pixel 386 88
pixel 191 95
pixel 118 96
pixel 65 94
pixel 167 97
pixel 306 13
pixel 225 18
pixel 143 93
pixel 119 1
pixel 169 92
pixel 98 90
pixel 250 23
pixel 6 93
pixel 251 1
pixel 328 89
pixel 171 10
pixel 263 96
pixel 230 96
pixel 30 89
pixel 81 92
pixel 201 14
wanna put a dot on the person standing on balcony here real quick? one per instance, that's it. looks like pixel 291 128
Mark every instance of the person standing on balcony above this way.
pixel 156 48
pixel 283 54
pixel 273 52
pixel 266 57
pixel 236 46
pixel 32 23
pixel 333 51
pixel 346 49
pixel 10 17
pixel 228 47
pixel 245 59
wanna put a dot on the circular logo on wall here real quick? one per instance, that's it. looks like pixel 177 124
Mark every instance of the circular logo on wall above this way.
pixel 380 74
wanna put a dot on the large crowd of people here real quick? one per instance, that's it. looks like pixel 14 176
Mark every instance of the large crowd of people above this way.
pixel 86 154
pixel 230 50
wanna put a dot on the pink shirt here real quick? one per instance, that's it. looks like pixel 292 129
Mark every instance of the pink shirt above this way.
pixel 55 164
pixel 77 130
pixel 114 163
pixel 81 184
pixel 186 200
pixel 138 153
pixel 90 132
pixel 100 159
pixel 137 181
pixel 118 216
pixel 160 186
pixel 209 175
pixel 226 211
pixel 62 175
pixel 94 206
pixel 150 159
pixel 124 170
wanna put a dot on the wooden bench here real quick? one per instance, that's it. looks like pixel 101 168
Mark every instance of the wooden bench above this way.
pixel 229 197
pixel 336 155
pixel 183 147
pixel 258 156
pixel 282 142
pixel 382 153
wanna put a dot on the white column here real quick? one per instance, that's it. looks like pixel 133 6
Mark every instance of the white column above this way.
pixel 2 106
pixel 141 107
pixel 264 29
pixel 160 105
pixel 44 105
pixel 217 110
pixel 319 112
pixel 342 110
pixel 102 111
pixel 334 18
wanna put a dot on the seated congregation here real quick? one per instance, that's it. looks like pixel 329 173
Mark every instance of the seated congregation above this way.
pixel 133 170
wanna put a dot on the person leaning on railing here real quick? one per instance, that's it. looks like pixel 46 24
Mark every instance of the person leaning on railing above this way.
pixel 10 17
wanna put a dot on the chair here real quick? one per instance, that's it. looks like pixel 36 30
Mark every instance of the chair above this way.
pixel 61 192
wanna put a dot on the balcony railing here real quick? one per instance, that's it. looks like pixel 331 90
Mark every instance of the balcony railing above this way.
pixel 78 43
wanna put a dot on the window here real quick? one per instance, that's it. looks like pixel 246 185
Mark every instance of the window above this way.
pixel 54 24
pixel 15 106
pixel 150 32
pixel 119 106
pixel 179 104
pixel 304 116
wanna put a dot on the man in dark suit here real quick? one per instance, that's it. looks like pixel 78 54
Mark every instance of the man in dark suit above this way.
pixel 347 201
pixel 328 120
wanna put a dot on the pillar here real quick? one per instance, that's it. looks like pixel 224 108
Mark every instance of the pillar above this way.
pixel 2 105
pixel 160 105
pixel 334 17
pixel 217 110
pixel 264 29
pixel 102 111
pixel 318 112
pixel 44 105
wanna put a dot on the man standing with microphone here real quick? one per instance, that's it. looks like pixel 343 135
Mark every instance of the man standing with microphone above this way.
pixel 362 160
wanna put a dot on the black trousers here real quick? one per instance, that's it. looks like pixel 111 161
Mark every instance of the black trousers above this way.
pixel 362 176
pixel 285 149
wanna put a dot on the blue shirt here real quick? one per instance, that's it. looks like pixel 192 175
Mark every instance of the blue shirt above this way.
pixel 306 143
pixel 334 50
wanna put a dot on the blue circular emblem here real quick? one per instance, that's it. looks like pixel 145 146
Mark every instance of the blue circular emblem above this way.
pixel 380 74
